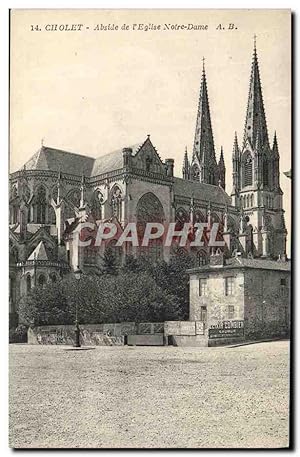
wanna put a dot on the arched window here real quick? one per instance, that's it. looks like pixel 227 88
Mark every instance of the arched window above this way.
pixel 199 217
pixel 195 173
pixel 28 283
pixel 97 204
pixel 53 277
pixel 41 280
pixel 41 206
pixel 248 201
pixel 252 201
pixel 247 171
pixel 211 178
pixel 150 209
pixel 73 201
pixel 116 203
pixel 181 217
pixel 14 206
pixel 214 218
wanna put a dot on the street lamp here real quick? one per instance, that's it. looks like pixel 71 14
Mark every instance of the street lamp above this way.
pixel 77 274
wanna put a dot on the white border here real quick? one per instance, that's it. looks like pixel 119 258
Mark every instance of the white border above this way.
pixel 4 47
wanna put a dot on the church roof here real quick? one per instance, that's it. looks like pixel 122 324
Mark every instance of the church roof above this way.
pixel 53 159
pixel 201 191
pixel 111 161
pixel 39 253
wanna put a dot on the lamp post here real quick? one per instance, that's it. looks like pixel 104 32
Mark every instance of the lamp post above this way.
pixel 77 274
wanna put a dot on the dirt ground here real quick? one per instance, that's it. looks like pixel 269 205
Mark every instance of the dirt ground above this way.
pixel 163 397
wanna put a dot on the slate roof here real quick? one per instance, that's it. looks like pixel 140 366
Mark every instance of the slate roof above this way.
pixel 55 159
pixel 111 161
pixel 260 263
pixel 240 262
pixel 201 191
pixel 39 253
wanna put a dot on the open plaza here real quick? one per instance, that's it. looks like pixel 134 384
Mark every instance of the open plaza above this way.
pixel 149 397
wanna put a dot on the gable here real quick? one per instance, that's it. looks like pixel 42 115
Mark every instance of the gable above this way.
pixel 147 159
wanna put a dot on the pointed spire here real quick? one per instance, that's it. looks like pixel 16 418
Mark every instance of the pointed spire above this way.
pixel 221 170
pixel 221 160
pixel 204 148
pixel 186 165
pixel 275 146
pixel 235 150
pixel 255 116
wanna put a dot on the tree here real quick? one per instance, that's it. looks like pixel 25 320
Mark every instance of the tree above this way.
pixel 43 306
pixel 109 262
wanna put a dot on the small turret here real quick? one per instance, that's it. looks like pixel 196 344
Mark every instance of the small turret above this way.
pixel 236 157
pixel 169 164
pixel 186 166
pixel 222 170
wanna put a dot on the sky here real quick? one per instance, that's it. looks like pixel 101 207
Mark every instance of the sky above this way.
pixel 93 91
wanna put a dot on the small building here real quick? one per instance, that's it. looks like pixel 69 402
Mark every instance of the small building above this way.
pixel 241 298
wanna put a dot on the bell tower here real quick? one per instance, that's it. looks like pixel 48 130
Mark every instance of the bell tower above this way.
pixel 256 187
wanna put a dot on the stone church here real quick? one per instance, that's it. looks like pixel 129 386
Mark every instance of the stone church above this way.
pixel 55 190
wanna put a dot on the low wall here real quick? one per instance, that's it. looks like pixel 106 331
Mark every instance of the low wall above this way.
pixel 175 333
pixel 146 340
pixel 92 334
pixel 188 341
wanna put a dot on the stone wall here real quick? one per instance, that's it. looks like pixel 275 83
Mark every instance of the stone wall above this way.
pixel 92 334
pixel 267 303
pixel 215 299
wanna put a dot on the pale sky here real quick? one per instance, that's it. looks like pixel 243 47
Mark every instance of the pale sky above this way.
pixel 92 92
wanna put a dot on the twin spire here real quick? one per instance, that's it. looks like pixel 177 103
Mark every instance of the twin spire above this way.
pixel 204 167
pixel 204 148
pixel 256 125
pixel 256 130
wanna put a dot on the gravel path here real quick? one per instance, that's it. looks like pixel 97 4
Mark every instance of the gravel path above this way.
pixel 149 397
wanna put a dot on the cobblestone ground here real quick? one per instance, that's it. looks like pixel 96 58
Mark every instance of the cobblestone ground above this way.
pixel 149 397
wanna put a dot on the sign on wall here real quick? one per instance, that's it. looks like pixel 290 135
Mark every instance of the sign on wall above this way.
pixel 226 329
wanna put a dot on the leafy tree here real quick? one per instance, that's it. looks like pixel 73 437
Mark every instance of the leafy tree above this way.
pixel 139 291
pixel 44 306
pixel 109 265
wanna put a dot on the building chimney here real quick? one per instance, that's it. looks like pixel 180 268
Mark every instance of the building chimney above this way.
pixel 169 163
pixel 127 154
